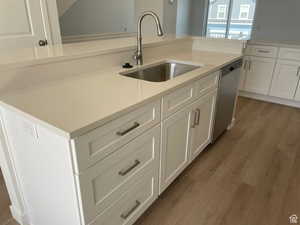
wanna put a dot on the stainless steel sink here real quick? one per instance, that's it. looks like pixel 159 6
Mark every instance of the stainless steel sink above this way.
pixel 160 72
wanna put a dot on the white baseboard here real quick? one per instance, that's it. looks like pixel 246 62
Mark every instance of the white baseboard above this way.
pixel 19 216
pixel 267 98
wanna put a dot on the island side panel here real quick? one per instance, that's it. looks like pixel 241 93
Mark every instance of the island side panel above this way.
pixel 43 166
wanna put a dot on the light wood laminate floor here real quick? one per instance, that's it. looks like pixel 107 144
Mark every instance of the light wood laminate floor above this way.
pixel 251 176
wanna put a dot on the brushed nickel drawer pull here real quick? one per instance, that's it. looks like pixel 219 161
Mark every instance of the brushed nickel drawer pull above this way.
pixel 127 214
pixel 124 172
pixel 298 72
pixel 198 117
pixel 122 133
pixel 263 51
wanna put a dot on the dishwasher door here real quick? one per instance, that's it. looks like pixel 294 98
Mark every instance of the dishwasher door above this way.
pixel 228 88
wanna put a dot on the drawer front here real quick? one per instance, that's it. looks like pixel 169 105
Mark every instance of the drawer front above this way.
pixel 289 53
pixel 178 99
pixel 130 205
pixel 207 84
pixel 262 51
pixel 103 183
pixel 101 142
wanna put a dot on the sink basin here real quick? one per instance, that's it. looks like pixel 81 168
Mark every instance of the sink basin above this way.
pixel 160 72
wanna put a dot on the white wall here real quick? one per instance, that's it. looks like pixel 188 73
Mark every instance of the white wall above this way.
pixel 170 16
pixel 277 20
pixel 98 16
pixel 103 16
pixel 183 17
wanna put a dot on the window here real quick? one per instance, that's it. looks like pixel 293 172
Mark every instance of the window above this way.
pixel 230 19
pixel 221 13
pixel 244 12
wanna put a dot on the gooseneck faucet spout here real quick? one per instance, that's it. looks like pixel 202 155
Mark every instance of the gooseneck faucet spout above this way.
pixel 139 53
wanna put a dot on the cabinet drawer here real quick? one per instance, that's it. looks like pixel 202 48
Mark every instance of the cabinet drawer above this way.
pixel 262 51
pixel 132 203
pixel 104 140
pixel 103 183
pixel 178 99
pixel 289 53
pixel 207 84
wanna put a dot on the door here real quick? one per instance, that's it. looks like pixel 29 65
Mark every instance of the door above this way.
pixel 297 96
pixel 285 79
pixel 259 75
pixel 243 73
pixel 175 147
pixel 21 23
pixel 202 123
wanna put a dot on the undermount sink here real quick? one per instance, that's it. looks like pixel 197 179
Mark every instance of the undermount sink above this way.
pixel 160 72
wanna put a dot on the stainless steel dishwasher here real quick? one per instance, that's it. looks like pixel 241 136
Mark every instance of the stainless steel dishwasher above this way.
pixel 228 88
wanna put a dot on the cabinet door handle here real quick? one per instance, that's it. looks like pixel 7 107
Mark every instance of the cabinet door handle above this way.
pixel 195 119
pixel 263 51
pixel 245 64
pixel 249 65
pixel 130 211
pixel 125 171
pixel 198 117
pixel 122 133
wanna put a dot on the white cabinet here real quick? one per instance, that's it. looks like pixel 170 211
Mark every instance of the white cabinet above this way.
pixel 297 96
pixel 184 136
pixel 24 23
pixel 243 73
pixel 202 124
pixel 259 74
pixel 175 146
pixel 285 80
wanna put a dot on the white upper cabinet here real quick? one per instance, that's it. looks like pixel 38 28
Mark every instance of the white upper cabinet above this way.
pixel 259 75
pixel 285 80
pixel 23 22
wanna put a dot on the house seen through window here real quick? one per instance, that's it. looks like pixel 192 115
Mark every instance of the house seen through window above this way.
pixel 231 19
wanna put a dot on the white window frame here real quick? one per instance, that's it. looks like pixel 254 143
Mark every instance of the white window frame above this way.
pixel 224 11
pixel 245 8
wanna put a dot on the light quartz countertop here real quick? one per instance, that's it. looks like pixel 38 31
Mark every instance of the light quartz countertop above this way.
pixel 78 104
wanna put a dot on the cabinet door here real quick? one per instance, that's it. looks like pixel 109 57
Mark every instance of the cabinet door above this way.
pixel 259 76
pixel 244 73
pixel 297 96
pixel 285 80
pixel 23 23
pixel 175 147
pixel 202 123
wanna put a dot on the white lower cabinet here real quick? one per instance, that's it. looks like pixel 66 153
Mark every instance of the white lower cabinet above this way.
pixel 112 174
pixel 103 183
pixel 202 125
pixel 131 204
pixel 175 146
pixel 285 80
pixel 297 96
pixel 259 74
pixel 184 136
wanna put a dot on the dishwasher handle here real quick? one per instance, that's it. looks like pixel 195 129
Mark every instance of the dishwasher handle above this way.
pixel 233 66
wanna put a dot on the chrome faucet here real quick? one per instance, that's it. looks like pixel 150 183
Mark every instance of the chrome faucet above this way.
pixel 138 56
